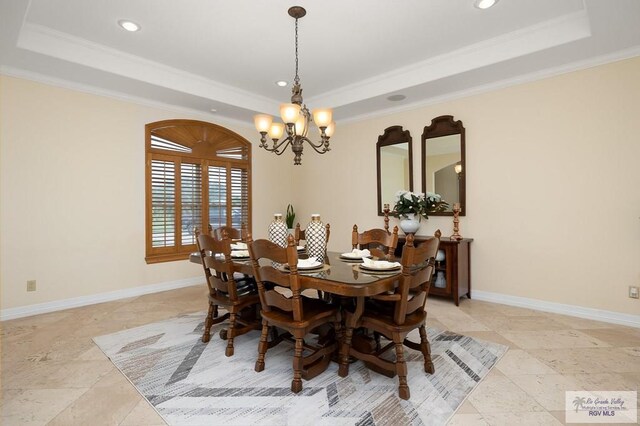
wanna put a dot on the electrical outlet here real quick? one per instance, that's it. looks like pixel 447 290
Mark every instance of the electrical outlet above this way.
pixel 31 285
pixel 633 292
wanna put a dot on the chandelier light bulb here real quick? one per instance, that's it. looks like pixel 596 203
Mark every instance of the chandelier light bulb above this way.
pixel 330 129
pixel 276 131
pixel 262 122
pixel 322 116
pixel 289 113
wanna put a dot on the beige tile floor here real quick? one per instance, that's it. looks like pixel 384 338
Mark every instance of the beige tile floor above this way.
pixel 53 374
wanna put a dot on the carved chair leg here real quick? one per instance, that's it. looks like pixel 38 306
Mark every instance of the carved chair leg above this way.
pixel 296 383
pixel 231 333
pixel 215 311
pixel 208 322
pixel 401 369
pixel 343 370
pixel 425 348
pixel 262 346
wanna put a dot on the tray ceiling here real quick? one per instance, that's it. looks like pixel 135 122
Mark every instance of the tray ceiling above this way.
pixel 227 55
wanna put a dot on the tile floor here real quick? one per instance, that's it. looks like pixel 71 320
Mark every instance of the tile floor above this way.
pixel 53 374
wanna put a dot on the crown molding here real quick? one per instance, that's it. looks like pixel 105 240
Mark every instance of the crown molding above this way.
pixel 43 40
pixel 502 84
pixel 93 90
pixel 545 35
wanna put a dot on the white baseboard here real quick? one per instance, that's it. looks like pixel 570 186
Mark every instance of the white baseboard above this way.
pixel 559 308
pixel 58 305
pixel 521 302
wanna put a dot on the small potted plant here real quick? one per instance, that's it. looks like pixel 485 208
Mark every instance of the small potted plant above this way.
pixel 290 218
pixel 411 207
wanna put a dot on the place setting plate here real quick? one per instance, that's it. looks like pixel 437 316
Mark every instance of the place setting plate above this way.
pixel 240 254
pixel 355 256
pixel 307 266
pixel 239 246
pixel 379 267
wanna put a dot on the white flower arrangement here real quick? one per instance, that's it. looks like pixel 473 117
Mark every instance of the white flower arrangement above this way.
pixel 408 202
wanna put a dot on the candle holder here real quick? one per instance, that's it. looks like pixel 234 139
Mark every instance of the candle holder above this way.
pixel 456 222
pixel 386 217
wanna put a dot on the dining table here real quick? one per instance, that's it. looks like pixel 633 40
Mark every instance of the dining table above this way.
pixel 338 277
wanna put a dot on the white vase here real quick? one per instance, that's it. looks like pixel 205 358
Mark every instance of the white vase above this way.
pixel 316 235
pixel 409 224
pixel 278 232
pixel 441 281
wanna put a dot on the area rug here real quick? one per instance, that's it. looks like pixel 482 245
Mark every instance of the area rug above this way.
pixel 192 383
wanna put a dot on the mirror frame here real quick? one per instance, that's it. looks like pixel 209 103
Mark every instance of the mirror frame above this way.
pixel 393 135
pixel 445 125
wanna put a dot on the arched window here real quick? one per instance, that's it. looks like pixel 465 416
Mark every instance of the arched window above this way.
pixel 197 174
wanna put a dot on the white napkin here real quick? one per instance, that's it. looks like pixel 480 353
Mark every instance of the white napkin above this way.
pixel 300 248
pixel 379 264
pixel 238 246
pixel 308 263
pixel 240 253
pixel 356 254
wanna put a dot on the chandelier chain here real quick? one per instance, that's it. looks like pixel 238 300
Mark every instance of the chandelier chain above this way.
pixel 297 78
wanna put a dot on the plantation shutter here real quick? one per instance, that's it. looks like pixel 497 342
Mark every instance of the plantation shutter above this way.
pixel 163 196
pixel 197 175
pixel 191 201
pixel 239 197
pixel 217 196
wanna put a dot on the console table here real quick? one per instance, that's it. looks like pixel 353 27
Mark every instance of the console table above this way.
pixel 453 274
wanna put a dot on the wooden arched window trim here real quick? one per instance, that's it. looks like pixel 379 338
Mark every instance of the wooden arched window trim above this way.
pixel 197 174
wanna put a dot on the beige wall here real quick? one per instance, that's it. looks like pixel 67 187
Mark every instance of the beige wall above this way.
pixel 552 189
pixel 72 193
pixel 552 185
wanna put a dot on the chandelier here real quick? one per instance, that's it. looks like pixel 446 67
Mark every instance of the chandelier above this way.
pixel 296 117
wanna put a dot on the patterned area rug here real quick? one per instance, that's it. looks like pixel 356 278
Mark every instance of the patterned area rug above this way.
pixel 192 383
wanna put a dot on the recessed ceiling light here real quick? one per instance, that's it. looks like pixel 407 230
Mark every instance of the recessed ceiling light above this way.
pixel 396 98
pixel 484 4
pixel 213 110
pixel 129 25
pixel 281 83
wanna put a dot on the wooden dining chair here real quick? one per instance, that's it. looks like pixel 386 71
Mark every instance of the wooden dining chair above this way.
pixel 296 314
pixel 380 242
pixel 234 234
pixel 395 315
pixel 240 299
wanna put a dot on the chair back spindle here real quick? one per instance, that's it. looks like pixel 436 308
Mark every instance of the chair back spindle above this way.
pixel 266 256
pixel 380 242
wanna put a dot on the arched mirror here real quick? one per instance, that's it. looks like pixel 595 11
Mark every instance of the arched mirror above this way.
pixel 395 165
pixel 443 162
